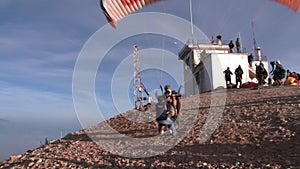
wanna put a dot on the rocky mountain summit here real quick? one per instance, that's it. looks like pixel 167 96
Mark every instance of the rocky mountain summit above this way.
pixel 238 128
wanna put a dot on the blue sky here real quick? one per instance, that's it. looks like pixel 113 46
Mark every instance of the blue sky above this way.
pixel 41 40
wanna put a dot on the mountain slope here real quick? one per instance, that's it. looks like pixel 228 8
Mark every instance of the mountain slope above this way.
pixel 258 129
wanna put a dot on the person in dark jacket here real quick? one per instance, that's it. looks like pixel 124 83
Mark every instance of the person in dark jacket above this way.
pixel 228 74
pixel 231 46
pixel 278 72
pixel 238 76
pixel 261 73
pixel 238 45
pixel 163 113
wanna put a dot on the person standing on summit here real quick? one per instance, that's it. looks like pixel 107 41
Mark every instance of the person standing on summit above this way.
pixel 238 45
pixel 231 46
pixel 261 73
pixel 228 74
pixel 238 76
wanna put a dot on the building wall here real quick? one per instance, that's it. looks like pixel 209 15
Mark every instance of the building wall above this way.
pixel 190 85
pixel 204 67
pixel 210 74
pixel 205 74
pixel 220 62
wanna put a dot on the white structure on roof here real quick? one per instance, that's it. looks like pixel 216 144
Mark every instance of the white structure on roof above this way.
pixel 204 65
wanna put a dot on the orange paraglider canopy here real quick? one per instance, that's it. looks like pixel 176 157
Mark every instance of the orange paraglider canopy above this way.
pixel 293 4
pixel 115 10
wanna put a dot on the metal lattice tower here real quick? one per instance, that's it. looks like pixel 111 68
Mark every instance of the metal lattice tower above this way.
pixel 138 90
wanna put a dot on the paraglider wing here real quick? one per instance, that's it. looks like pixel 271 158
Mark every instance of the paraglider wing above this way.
pixel 115 10
pixel 293 4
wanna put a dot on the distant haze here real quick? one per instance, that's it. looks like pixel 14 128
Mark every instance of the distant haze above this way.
pixel 16 137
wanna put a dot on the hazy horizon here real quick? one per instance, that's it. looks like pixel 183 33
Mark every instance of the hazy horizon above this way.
pixel 18 136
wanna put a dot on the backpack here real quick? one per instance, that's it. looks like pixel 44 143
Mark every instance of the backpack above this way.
pixel 280 70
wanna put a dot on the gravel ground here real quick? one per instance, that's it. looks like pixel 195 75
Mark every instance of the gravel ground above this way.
pixel 257 128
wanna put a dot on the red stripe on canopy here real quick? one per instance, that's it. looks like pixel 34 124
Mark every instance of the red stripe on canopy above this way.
pixel 115 10
pixel 293 4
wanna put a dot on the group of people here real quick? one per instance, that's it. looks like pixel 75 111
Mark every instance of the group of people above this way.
pixel 237 44
pixel 278 72
pixel 169 104
pixel 292 78
pixel 231 45
pixel 168 109
pixel 238 76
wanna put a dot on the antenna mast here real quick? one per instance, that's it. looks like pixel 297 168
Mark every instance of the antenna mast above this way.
pixel 138 90
pixel 254 41
pixel 241 45
pixel 192 25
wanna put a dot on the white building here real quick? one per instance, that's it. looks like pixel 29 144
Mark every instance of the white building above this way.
pixel 204 65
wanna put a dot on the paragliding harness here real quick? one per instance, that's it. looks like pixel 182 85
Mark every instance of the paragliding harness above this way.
pixel 166 108
pixel 175 97
pixel 178 104
pixel 168 103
